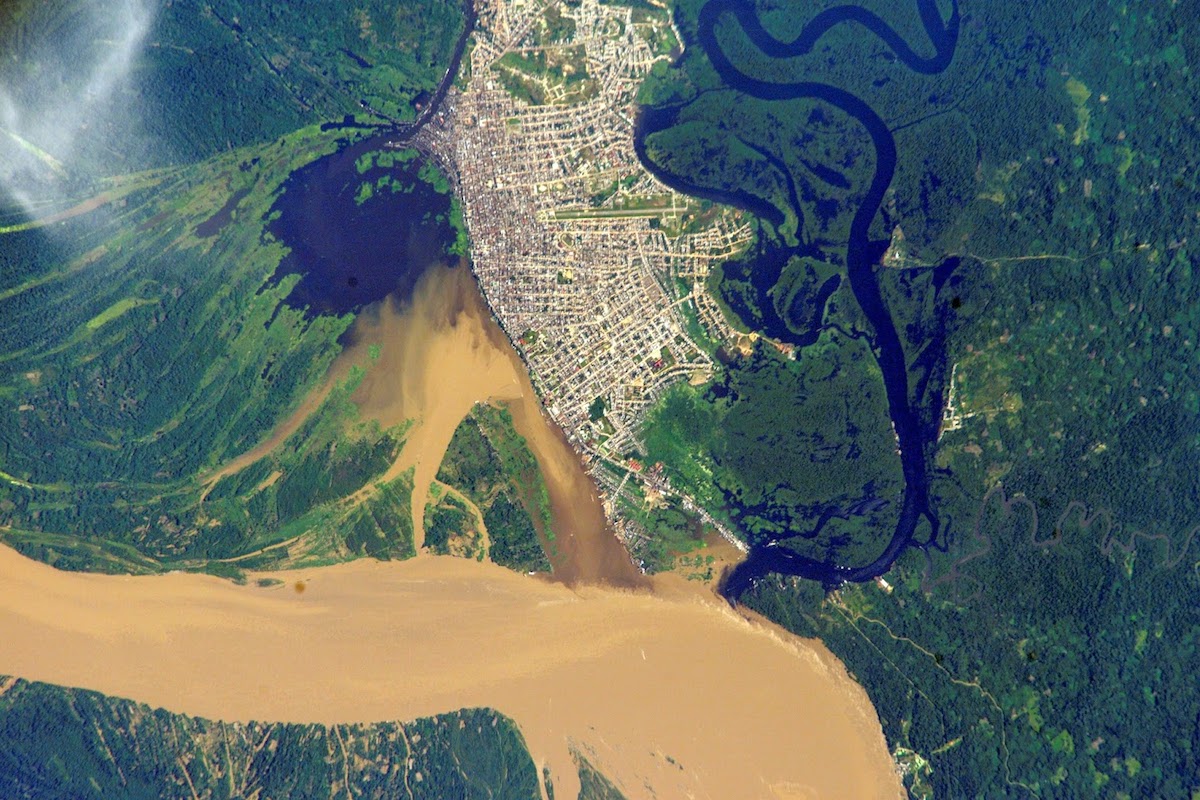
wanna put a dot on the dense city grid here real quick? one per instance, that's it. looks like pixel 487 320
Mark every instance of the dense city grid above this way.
pixel 591 265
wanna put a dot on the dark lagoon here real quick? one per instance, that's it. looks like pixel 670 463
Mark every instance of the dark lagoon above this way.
pixel 354 246
pixel 361 224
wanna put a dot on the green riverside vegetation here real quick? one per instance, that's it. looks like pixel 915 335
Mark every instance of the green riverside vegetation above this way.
pixel 1044 644
pixel 493 467
pixel 57 742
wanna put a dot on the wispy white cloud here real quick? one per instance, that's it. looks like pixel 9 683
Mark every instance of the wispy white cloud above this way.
pixel 62 94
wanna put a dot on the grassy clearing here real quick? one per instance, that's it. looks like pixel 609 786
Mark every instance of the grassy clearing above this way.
pixel 117 309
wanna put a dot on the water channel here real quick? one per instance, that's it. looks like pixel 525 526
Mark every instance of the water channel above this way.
pixel 913 427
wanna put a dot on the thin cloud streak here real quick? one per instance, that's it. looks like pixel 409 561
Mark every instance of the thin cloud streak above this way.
pixel 46 118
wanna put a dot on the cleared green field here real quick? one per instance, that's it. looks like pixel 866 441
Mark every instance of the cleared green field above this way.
pixel 115 310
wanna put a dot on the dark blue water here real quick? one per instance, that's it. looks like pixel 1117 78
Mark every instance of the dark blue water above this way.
pixel 915 436
pixel 349 255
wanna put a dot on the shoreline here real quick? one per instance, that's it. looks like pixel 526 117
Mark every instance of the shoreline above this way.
pixel 636 677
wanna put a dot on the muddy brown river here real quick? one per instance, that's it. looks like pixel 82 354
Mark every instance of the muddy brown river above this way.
pixel 661 684
pixel 669 689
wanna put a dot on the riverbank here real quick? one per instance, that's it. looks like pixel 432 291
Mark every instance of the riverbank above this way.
pixel 670 689
pixel 438 355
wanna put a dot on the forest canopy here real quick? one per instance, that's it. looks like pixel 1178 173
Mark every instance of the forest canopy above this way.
pixel 1032 250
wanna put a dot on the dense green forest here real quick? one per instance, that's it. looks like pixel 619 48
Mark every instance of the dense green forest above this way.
pixel 1043 644
pixel 57 742
pixel 1029 661
pixel 158 83
pixel 139 355
pixel 778 442
pixel 491 464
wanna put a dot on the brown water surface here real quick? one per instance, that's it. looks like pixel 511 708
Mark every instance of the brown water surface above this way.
pixel 665 688
pixel 670 692
pixel 440 355
pixel 436 360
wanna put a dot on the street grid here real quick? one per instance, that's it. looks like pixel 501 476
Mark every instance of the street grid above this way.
pixel 587 261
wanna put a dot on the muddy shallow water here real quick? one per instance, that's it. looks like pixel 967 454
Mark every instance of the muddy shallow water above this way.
pixel 669 689
pixel 439 355
pixel 659 682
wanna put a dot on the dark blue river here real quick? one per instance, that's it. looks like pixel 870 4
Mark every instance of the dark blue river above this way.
pixel 915 436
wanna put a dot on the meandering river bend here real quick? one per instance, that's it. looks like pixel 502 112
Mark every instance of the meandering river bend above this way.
pixel 914 431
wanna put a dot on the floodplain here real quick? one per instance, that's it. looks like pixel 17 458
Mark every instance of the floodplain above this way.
pixel 650 686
